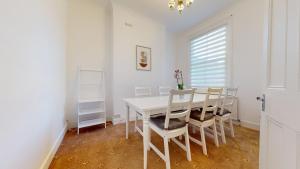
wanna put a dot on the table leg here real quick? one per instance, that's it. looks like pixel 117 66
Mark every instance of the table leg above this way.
pixel 149 138
pixel 127 121
pixel 146 137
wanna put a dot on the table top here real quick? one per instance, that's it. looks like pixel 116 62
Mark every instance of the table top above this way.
pixel 161 102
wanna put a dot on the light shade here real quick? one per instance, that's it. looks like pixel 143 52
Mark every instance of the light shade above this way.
pixel 180 4
pixel 180 7
pixel 189 2
pixel 172 4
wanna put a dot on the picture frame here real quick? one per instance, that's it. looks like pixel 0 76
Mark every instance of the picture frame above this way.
pixel 143 58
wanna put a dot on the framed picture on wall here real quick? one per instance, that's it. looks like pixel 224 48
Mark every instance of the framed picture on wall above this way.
pixel 143 58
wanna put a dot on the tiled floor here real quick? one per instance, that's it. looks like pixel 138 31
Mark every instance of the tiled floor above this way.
pixel 99 148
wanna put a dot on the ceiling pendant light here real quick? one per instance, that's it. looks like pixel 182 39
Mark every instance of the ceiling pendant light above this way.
pixel 180 4
pixel 172 4
pixel 188 3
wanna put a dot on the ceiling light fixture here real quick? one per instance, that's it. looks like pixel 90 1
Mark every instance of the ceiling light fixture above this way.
pixel 180 4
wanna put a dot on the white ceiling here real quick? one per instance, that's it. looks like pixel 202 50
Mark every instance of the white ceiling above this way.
pixel 158 10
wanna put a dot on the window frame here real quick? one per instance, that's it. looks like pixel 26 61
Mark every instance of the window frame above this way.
pixel 229 53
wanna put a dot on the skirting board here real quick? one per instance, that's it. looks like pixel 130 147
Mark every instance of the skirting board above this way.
pixel 72 124
pixel 54 148
pixel 116 121
pixel 250 125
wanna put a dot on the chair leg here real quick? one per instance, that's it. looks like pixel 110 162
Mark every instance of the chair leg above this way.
pixel 216 134
pixel 135 122
pixel 145 157
pixel 203 141
pixel 187 144
pixel 149 138
pixel 167 154
pixel 222 131
pixel 194 129
pixel 231 127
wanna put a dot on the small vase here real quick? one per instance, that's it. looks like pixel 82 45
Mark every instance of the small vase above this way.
pixel 180 86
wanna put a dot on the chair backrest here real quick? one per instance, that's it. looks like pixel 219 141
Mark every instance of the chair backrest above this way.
pixel 164 90
pixel 141 91
pixel 212 97
pixel 228 99
pixel 180 104
pixel 201 90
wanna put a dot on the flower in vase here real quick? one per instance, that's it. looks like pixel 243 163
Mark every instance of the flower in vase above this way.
pixel 179 78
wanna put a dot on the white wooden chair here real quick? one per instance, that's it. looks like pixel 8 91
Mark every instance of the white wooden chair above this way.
pixel 204 117
pixel 224 112
pixel 140 91
pixel 164 90
pixel 201 90
pixel 174 123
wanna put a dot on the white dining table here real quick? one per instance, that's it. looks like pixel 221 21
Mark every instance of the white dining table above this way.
pixel 148 106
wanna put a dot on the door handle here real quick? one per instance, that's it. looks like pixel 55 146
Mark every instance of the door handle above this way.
pixel 263 102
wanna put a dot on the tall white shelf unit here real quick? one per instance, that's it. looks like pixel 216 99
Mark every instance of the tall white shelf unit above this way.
pixel 91 98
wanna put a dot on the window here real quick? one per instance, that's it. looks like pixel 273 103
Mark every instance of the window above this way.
pixel 208 59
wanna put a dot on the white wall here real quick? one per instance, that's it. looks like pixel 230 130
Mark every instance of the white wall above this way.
pixel 32 71
pixel 97 35
pixel 145 32
pixel 298 151
pixel 247 33
pixel 87 45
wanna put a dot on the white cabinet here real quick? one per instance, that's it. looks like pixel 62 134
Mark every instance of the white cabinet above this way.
pixel 91 98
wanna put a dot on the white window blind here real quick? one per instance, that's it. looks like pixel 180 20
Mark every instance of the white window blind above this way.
pixel 208 59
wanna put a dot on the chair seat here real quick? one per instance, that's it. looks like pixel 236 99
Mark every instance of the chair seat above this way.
pixel 196 114
pixel 219 111
pixel 153 115
pixel 224 113
pixel 159 121
pixel 139 113
pixel 178 111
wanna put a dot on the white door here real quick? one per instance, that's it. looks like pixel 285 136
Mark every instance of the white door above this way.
pixel 280 121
